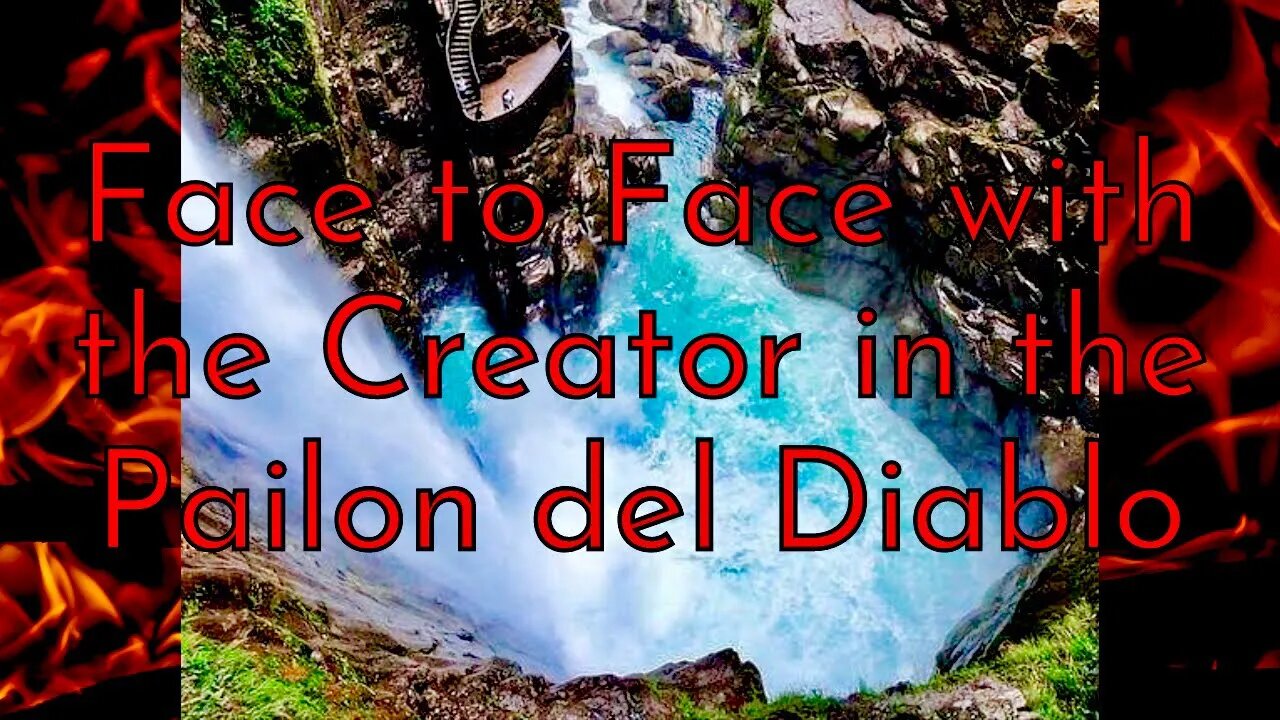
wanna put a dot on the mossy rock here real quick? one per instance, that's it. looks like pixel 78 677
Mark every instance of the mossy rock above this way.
pixel 254 64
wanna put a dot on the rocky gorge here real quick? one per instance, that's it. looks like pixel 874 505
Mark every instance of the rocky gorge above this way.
pixel 912 95
pixel 257 624
pixel 919 96
pixel 322 91
pixel 916 97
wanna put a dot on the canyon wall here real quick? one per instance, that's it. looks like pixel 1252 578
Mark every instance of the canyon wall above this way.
pixel 320 91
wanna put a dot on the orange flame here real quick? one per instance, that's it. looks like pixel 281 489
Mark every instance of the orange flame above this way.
pixel 1211 138
pixel 50 603
pixel 82 72
pixel 64 624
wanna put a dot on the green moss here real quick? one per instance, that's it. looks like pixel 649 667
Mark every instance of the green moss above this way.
pixel 763 12
pixel 257 65
pixel 1057 670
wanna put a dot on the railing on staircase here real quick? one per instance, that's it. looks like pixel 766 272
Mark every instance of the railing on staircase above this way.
pixel 463 17
pixel 462 64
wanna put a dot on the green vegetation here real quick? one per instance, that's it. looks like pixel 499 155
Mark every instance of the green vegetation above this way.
pixel 794 707
pixel 1057 670
pixel 255 61
pixel 218 678
pixel 763 12
pixel 264 681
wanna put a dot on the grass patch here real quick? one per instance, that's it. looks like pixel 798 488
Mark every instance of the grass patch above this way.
pixel 810 706
pixel 218 678
pixel 258 66
pixel 794 706
pixel 1057 670
pixel 257 683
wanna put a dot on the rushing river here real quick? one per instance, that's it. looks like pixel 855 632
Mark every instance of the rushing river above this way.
pixel 836 620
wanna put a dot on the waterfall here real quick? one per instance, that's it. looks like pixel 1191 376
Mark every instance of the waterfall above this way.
pixel 834 621
pixel 615 93
pixel 284 297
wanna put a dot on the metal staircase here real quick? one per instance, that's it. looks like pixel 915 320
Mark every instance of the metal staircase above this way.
pixel 462 65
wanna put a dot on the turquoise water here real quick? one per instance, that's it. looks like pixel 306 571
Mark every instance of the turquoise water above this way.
pixel 834 620
pixel 613 87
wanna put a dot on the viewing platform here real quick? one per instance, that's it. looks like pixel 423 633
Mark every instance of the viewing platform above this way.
pixel 515 102
pixel 523 78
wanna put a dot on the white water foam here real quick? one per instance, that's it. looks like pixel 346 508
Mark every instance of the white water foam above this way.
pixel 614 87
pixel 834 621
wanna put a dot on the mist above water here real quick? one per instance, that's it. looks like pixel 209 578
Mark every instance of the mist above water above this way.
pixel 835 621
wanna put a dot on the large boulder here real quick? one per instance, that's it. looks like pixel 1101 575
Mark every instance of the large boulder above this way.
pixel 721 680
pixel 999 30
pixel 848 112
pixel 982 699
pixel 671 102
pixel 619 43
pixel 698 27
pixel 664 66
pixel 704 30
pixel 623 13
pixel 666 81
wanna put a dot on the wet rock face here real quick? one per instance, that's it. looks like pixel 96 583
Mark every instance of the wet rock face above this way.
pixel 965 92
pixel 915 96
pixel 721 680
pixel 620 43
pixel 1030 598
pixel 918 95
pixel 388 123
pixel 498 689
pixel 671 102
pixel 511 29
pixel 373 55
pixel 665 78
pixel 553 279
pixel 700 28
pixel 376 127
